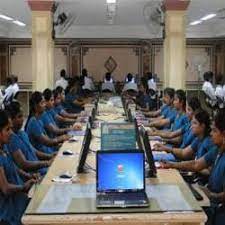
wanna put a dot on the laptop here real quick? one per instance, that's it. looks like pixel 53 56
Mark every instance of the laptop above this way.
pixel 84 150
pixel 151 172
pixel 120 179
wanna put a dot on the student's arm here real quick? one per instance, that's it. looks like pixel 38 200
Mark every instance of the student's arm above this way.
pixel 55 130
pixel 153 114
pixel 69 115
pixel 8 188
pixel 174 141
pixel 44 156
pixel 64 119
pixel 160 123
pixel 167 134
pixel 26 165
pixel 185 154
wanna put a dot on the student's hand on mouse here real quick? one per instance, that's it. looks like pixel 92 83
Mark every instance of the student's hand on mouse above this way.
pixel 77 126
pixel 159 147
pixel 36 177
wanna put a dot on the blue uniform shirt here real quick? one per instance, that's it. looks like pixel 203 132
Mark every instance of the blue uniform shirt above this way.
pixel 188 136
pixel 202 146
pixel 59 109
pixel 70 98
pixel 165 110
pixel 20 141
pixel 35 128
pixel 180 121
pixel 12 206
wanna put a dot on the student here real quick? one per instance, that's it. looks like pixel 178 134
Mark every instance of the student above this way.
pixel 108 78
pixel 62 82
pixel 13 190
pixel 49 116
pixel 8 93
pixel 215 189
pixel 208 88
pixel 130 84
pixel 169 113
pixel 151 82
pixel 23 153
pixel 15 85
pixel 219 90
pixel 129 78
pixel 200 145
pixel 35 128
pixel 108 83
pixel 181 119
pixel 88 83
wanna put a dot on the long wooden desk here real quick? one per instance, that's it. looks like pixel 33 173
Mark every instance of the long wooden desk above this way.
pixel 62 164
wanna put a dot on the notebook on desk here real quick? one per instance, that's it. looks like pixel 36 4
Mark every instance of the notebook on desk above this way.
pixel 120 179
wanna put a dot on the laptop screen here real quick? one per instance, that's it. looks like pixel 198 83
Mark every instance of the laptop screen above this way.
pixel 119 171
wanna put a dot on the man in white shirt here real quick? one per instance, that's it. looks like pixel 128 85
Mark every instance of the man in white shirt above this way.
pixel 108 83
pixel 208 88
pixel 15 85
pixel 88 83
pixel 9 90
pixel 62 82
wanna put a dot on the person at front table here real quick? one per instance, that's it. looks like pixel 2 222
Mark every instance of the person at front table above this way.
pixel 23 153
pixel 215 190
pixel 35 128
pixel 13 197
pixel 108 83
pixel 200 146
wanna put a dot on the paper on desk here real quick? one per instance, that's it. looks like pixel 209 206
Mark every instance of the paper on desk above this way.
pixel 169 197
pixel 76 133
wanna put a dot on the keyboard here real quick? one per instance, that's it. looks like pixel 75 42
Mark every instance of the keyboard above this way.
pixel 196 194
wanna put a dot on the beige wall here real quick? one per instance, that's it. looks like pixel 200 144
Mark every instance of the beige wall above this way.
pixel 126 58
pixel 196 55
pixel 20 62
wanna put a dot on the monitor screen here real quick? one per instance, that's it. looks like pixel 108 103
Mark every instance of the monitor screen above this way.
pixel 120 171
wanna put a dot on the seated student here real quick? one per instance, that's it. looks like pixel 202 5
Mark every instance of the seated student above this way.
pixel 130 85
pixel 35 128
pixel 50 118
pixel 13 190
pixel 215 188
pixel 181 119
pixel 59 98
pixel 151 82
pixel 208 88
pixel 169 113
pixel 130 78
pixel 108 83
pixel 88 83
pixel 201 145
pixel 219 90
pixel 167 102
pixel 62 82
pixel 23 153
pixel 73 103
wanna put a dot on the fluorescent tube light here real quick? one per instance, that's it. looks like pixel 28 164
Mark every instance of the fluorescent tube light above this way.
pixel 196 22
pixel 5 17
pixel 17 22
pixel 209 16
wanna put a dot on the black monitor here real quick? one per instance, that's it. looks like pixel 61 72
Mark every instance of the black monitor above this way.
pixel 129 115
pixel 151 172
pixel 138 138
pixel 84 150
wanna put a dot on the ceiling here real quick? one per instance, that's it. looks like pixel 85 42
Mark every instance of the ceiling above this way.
pixel 129 21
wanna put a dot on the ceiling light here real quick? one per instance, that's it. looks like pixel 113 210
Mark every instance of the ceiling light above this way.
pixel 17 22
pixel 5 17
pixel 209 16
pixel 111 1
pixel 196 22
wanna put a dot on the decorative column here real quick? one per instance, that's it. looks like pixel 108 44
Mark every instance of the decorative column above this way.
pixel 175 43
pixel 42 44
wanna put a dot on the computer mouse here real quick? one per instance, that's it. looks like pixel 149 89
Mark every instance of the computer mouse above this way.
pixel 65 176
pixel 67 152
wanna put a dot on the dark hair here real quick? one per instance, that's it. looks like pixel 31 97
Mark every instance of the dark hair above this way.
pixel 108 76
pixel 47 94
pixel 63 73
pixel 219 78
pixel 181 95
pixel 13 109
pixel 4 119
pixel 170 92
pixel 194 103
pixel 84 72
pixel 208 76
pixel 149 75
pixel 59 89
pixel 129 77
pixel 9 80
pixel 35 99
pixel 219 120
pixel 203 118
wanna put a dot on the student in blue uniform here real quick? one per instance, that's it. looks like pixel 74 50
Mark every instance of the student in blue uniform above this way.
pixel 185 134
pixel 13 198
pixel 215 190
pixel 180 121
pixel 200 145
pixel 35 128
pixel 23 153
pixel 59 98
pixel 48 119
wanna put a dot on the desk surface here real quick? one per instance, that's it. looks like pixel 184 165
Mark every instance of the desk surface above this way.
pixel 63 163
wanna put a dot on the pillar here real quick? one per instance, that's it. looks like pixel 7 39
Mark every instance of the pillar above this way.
pixel 42 44
pixel 174 45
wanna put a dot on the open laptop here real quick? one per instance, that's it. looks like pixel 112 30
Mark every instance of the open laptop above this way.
pixel 151 172
pixel 120 179
pixel 84 150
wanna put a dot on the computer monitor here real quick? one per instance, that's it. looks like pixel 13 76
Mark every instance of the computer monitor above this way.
pixel 84 150
pixel 151 172
pixel 129 115
pixel 138 138
pixel 120 171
